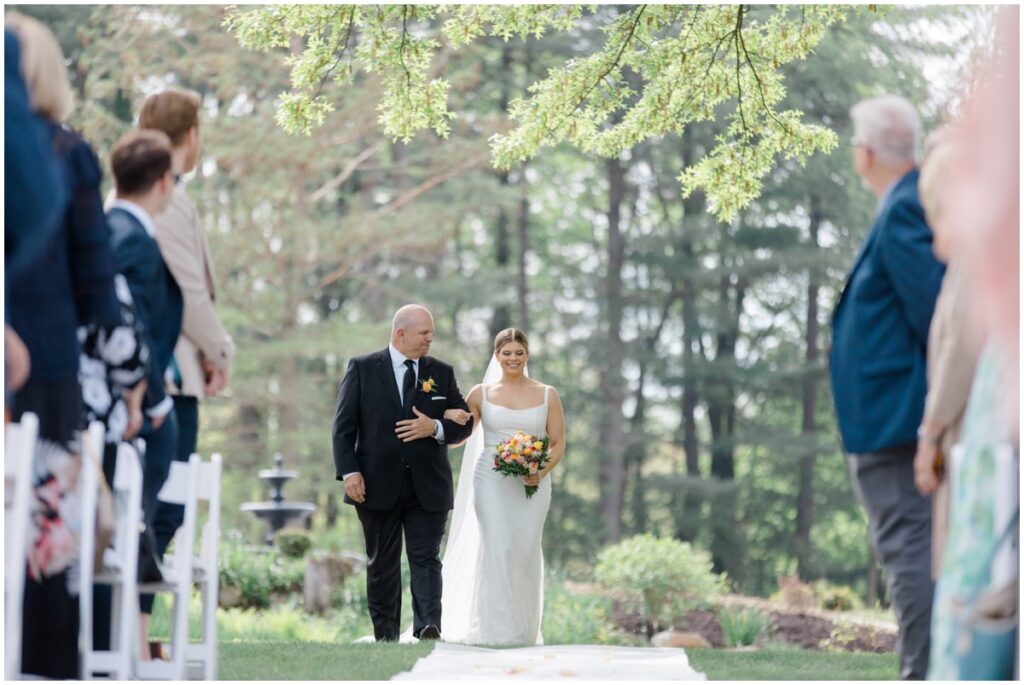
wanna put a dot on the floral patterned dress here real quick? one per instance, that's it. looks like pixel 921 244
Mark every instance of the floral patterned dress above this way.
pixel 113 359
pixel 978 493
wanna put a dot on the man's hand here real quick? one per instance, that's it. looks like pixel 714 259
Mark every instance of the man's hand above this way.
pixel 216 380
pixel 17 360
pixel 157 421
pixel 415 429
pixel 458 416
pixel 133 402
pixel 355 488
pixel 924 467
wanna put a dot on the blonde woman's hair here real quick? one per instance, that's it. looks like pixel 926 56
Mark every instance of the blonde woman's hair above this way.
pixel 933 184
pixel 42 67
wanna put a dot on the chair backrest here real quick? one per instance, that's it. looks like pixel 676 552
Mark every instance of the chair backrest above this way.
pixel 89 479
pixel 182 487
pixel 127 486
pixel 19 452
pixel 209 491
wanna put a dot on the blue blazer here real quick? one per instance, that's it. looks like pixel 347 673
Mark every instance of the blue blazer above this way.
pixel 158 301
pixel 880 327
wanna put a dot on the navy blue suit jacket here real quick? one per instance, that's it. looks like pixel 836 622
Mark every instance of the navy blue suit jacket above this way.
pixel 880 327
pixel 364 432
pixel 72 282
pixel 158 301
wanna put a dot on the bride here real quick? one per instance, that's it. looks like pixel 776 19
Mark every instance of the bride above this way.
pixel 493 568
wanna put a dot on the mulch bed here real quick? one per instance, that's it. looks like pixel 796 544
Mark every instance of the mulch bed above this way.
pixel 796 628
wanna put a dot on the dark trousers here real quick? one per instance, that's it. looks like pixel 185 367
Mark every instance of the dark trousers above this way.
pixel 383 532
pixel 103 595
pixel 167 518
pixel 900 527
pixel 161 446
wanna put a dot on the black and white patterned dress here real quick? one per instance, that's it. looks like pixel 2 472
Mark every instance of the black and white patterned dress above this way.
pixel 113 361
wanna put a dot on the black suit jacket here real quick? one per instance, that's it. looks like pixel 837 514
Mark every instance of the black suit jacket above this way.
pixel 156 295
pixel 364 432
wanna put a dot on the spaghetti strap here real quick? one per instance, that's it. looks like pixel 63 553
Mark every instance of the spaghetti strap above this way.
pixel 546 388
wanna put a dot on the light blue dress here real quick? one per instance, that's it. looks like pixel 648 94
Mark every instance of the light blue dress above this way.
pixel 979 494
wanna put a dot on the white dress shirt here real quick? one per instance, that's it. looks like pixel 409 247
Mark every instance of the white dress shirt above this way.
pixel 398 366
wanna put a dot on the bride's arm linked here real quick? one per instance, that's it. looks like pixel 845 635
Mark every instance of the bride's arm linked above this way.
pixel 556 434
pixel 462 417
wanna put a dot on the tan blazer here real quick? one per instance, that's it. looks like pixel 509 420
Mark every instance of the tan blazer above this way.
pixel 186 250
pixel 952 358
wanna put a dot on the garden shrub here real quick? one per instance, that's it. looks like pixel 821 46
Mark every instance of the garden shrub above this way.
pixel 743 626
pixel 259 574
pixel 661 577
pixel 293 542
pixel 836 597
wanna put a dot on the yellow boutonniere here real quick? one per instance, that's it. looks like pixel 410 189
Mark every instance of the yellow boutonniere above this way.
pixel 428 385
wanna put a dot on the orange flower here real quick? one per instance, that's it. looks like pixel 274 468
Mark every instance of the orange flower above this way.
pixel 428 385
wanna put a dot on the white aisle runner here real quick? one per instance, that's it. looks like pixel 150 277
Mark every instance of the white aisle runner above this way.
pixel 586 662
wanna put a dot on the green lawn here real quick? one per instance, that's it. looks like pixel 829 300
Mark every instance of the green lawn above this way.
pixel 791 663
pixel 324 661
pixel 316 660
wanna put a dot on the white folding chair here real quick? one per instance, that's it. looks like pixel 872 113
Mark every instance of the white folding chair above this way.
pixel 19 450
pixel 120 563
pixel 202 656
pixel 89 481
pixel 181 487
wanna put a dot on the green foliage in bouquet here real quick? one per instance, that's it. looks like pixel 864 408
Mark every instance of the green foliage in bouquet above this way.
pixel 662 577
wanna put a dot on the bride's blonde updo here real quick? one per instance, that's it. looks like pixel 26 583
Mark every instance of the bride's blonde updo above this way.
pixel 510 335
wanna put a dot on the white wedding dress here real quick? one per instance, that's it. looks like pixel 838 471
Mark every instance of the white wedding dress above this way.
pixel 493 568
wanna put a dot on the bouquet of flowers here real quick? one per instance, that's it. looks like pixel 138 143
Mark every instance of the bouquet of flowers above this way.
pixel 521 455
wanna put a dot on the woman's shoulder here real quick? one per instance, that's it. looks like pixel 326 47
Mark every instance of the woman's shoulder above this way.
pixel 78 155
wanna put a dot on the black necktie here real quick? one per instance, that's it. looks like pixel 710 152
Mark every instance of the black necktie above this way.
pixel 408 386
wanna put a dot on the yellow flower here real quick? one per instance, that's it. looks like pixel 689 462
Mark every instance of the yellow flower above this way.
pixel 428 385
pixel 538 445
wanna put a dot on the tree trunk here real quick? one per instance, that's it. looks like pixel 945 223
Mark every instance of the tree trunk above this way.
pixel 522 284
pixel 636 448
pixel 721 403
pixel 612 383
pixel 502 250
pixel 808 429
pixel 688 510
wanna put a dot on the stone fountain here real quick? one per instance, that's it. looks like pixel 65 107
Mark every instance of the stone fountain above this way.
pixel 277 513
